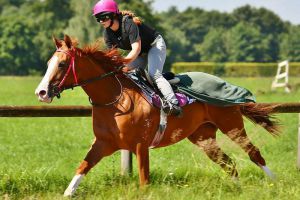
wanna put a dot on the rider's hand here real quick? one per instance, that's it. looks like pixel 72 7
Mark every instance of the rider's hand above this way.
pixel 126 69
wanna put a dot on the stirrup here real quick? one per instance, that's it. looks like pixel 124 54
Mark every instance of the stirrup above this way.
pixel 172 109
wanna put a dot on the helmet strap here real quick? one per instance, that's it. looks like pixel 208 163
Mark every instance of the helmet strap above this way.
pixel 111 23
pixel 112 20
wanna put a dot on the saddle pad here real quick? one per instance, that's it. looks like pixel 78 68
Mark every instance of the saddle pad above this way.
pixel 212 90
pixel 152 95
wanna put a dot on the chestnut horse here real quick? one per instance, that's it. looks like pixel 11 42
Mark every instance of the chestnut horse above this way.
pixel 123 118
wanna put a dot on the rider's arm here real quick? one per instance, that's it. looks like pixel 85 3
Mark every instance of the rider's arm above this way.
pixel 135 40
pixel 135 50
pixel 133 54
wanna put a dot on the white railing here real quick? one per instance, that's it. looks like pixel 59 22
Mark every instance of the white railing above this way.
pixel 282 73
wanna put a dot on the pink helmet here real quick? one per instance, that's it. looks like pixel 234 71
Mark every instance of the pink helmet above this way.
pixel 105 6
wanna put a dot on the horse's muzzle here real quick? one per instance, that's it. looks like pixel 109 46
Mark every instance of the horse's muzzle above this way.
pixel 54 90
pixel 43 96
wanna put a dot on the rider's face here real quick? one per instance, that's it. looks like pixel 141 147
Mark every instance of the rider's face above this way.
pixel 104 20
pixel 105 23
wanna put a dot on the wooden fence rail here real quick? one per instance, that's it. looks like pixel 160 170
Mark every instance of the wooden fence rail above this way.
pixel 86 111
pixel 45 111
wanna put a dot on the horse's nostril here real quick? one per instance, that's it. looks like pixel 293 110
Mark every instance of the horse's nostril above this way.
pixel 42 93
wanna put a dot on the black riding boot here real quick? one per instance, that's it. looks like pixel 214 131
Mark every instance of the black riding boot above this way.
pixel 172 109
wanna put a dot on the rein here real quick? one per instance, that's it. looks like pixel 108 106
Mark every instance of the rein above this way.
pixel 59 89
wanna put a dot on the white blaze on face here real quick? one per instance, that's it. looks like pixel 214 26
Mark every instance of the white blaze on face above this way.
pixel 42 90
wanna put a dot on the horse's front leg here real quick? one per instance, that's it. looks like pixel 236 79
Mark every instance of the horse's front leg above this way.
pixel 98 150
pixel 142 154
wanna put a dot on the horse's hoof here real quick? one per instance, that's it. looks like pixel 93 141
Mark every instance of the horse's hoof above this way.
pixel 235 179
pixel 68 192
pixel 268 172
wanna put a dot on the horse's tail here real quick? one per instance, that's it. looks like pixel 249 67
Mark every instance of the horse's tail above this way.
pixel 262 115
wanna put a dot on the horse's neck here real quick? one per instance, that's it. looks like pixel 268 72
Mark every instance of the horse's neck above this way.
pixel 103 91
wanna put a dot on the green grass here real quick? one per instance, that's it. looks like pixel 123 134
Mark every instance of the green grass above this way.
pixel 38 156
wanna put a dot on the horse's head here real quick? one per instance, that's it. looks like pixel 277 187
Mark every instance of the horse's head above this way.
pixel 61 71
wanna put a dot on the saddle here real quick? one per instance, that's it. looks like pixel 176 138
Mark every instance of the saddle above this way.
pixel 153 95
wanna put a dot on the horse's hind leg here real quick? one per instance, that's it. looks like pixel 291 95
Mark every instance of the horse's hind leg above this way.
pixel 232 125
pixel 205 138
pixel 97 151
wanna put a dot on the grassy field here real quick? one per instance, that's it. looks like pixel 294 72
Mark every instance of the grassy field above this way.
pixel 38 156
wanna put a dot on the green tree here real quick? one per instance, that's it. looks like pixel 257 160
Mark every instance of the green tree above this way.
pixel 213 47
pixel 142 9
pixel 270 25
pixel 83 25
pixel 290 45
pixel 267 21
pixel 245 43
pixel 26 31
pixel 17 52
pixel 8 4
pixel 193 24
pixel 50 18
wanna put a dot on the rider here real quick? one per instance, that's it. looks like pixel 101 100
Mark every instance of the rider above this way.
pixel 146 46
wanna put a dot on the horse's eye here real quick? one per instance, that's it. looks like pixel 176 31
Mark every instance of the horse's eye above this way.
pixel 62 64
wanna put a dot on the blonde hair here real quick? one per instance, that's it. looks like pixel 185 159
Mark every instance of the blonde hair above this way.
pixel 136 19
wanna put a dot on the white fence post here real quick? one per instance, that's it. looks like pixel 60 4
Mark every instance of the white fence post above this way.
pixel 126 162
pixel 283 66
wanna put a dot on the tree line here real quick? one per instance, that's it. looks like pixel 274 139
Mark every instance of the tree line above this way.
pixel 247 34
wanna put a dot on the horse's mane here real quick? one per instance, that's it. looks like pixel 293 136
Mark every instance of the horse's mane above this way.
pixel 110 59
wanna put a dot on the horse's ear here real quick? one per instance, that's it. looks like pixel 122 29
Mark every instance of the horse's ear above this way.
pixel 68 41
pixel 56 42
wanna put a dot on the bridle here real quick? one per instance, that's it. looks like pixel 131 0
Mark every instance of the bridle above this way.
pixel 72 54
pixel 58 89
